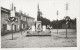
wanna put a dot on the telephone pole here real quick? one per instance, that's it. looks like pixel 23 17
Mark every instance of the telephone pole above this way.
pixel 67 4
pixel 66 16
pixel 57 22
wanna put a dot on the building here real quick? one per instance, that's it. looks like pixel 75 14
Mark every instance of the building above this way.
pixel 5 14
pixel 22 22
pixel 26 21
pixel 30 21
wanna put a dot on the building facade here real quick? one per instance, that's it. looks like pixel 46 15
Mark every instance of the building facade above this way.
pixel 22 21
pixel 5 14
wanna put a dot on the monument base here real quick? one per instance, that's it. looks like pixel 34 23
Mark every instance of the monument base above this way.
pixel 35 33
pixel 37 30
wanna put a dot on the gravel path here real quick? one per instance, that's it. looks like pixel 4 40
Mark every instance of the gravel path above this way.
pixel 55 40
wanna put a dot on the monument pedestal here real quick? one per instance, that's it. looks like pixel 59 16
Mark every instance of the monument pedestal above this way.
pixel 43 33
pixel 38 26
pixel 39 30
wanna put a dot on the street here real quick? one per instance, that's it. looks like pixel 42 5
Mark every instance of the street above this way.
pixel 55 40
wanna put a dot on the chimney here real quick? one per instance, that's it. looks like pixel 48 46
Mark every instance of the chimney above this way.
pixel 28 14
pixel 20 12
pixel 25 13
pixel 14 8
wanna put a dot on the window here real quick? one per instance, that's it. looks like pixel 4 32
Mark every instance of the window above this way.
pixel 4 27
pixel 21 17
pixel 8 27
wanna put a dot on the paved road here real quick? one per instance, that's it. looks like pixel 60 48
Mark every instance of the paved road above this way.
pixel 55 40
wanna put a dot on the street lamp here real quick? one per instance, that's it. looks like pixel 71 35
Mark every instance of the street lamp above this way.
pixel 12 17
pixel 67 18
pixel 12 20
pixel 67 21
pixel 21 18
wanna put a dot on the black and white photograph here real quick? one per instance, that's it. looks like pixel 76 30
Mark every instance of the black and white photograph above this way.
pixel 39 23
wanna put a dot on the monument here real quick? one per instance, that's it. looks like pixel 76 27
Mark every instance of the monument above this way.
pixel 38 29
pixel 44 27
pixel 38 26
pixel 33 28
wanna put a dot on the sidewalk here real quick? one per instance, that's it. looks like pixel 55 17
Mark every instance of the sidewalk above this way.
pixel 15 35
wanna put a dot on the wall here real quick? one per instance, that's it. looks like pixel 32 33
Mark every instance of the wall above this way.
pixel 4 17
pixel 30 21
pixel 6 25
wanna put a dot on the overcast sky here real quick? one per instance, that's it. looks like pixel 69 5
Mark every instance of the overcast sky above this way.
pixel 49 8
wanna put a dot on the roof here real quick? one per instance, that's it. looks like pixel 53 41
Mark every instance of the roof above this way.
pixel 5 10
pixel 31 17
pixel 16 13
pixel 24 15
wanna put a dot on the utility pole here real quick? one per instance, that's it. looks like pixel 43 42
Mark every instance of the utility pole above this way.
pixel 57 22
pixel 21 24
pixel 21 21
pixel 12 18
pixel 67 8
pixel 12 31
pixel 66 16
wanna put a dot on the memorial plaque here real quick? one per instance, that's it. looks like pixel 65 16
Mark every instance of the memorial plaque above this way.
pixel 33 28
pixel 44 27
pixel 38 26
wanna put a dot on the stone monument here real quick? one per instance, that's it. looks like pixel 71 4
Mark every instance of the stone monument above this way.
pixel 38 26
pixel 33 28
pixel 44 27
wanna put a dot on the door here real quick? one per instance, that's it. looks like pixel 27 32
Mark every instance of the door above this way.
pixel 4 27
pixel 15 27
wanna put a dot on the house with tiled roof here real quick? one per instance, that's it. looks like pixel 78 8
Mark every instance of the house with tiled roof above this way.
pixel 22 21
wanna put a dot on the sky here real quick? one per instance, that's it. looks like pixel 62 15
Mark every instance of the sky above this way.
pixel 49 8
